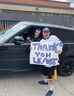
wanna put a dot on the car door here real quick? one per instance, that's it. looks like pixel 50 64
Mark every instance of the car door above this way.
pixel 14 55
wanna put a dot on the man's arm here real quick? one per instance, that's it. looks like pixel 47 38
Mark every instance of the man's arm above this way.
pixel 59 45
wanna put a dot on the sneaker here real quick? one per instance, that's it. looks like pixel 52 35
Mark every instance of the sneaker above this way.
pixel 42 82
pixel 49 93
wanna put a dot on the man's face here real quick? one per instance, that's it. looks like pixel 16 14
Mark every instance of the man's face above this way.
pixel 46 34
pixel 37 33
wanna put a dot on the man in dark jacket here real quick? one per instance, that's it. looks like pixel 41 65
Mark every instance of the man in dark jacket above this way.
pixel 36 37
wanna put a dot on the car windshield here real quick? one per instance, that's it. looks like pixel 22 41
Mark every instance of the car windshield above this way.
pixel 12 31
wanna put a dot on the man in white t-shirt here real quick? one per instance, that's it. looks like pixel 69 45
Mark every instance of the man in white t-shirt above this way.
pixel 53 40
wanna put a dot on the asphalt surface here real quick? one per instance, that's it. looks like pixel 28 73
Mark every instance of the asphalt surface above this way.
pixel 26 84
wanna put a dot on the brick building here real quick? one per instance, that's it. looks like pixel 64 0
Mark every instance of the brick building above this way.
pixel 53 12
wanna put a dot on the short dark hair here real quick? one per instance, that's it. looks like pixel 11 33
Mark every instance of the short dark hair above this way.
pixel 37 30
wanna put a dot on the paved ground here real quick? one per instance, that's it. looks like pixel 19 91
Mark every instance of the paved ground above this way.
pixel 25 84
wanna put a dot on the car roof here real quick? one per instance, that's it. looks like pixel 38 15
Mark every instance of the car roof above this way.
pixel 21 25
pixel 47 24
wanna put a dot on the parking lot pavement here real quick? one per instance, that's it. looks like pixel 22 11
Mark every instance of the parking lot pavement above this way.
pixel 26 84
pixel 65 86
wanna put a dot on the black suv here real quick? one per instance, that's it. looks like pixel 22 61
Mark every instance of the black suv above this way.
pixel 14 49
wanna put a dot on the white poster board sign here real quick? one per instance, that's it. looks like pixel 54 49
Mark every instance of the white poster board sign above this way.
pixel 43 54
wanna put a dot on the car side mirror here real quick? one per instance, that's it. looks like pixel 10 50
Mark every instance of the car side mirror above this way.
pixel 18 40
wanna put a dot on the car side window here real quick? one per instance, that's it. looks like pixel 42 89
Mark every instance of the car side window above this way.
pixel 25 35
pixel 18 40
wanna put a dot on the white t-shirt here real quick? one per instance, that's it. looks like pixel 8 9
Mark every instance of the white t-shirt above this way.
pixel 57 43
